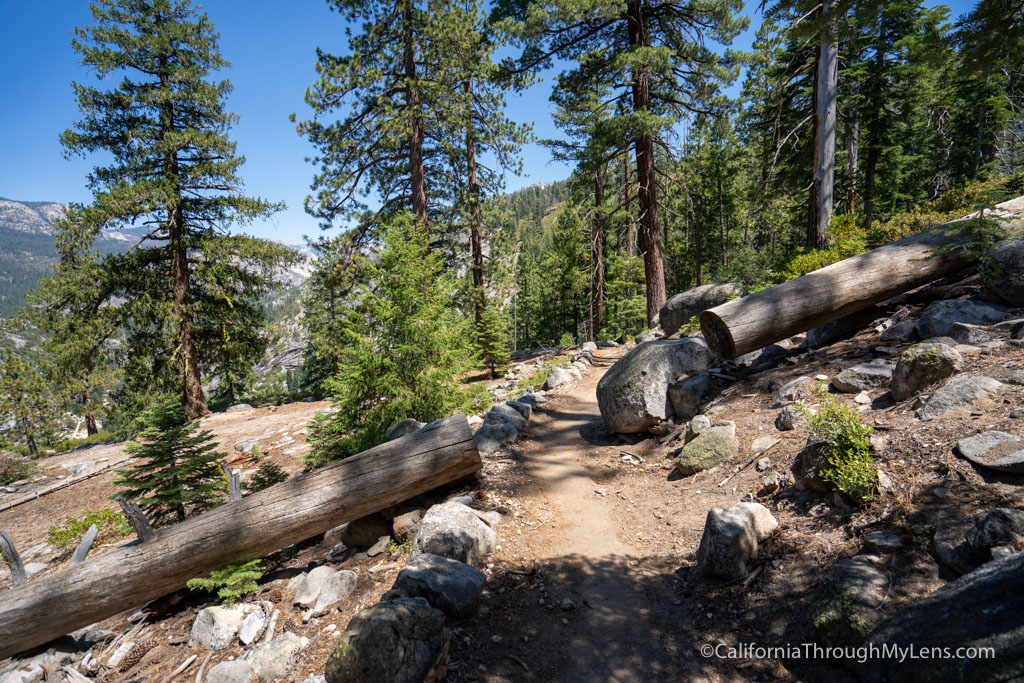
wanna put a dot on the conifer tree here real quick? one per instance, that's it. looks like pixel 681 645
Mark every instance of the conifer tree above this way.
pixel 405 347
pixel 174 472
pixel 169 167
pixel 25 399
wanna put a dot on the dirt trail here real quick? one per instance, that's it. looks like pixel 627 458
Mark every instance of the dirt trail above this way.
pixel 616 629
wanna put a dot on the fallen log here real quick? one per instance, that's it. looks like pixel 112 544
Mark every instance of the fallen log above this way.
pixel 302 507
pixel 755 321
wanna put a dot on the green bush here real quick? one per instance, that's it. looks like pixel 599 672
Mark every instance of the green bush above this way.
pixel 232 583
pixel 847 238
pixel 849 449
pixel 692 325
pixel 265 476
pixel 567 341
pixel 111 525
pixel 13 468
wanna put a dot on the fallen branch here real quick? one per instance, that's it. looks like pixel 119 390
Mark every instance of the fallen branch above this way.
pixel 13 559
pixel 181 668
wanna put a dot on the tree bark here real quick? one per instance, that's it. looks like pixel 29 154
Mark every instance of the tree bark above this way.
pixel 851 161
pixel 597 252
pixel 647 193
pixel 628 205
pixel 825 88
pixel 412 102
pixel 475 220
pixel 192 399
pixel 90 420
pixel 754 321
pixel 259 524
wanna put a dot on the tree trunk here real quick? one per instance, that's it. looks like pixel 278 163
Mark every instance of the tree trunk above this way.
pixel 30 440
pixel 475 221
pixel 628 205
pixel 90 420
pixel 763 318
pixel 647 192
pixel 978 142
pixel 192 399
pixel 597 251
pixel 851 161
pixel 259 524
pixel 825 87
pixel 412 103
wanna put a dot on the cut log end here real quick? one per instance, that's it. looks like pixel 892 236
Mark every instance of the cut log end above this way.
pixel 717 335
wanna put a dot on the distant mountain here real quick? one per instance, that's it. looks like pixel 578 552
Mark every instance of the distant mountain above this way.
pixel 27 248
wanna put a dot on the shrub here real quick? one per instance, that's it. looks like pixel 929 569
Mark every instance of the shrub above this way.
pixel 265 476
pixel 111 525
pixel 232 583
pixel 13 468
pixel 567 341
pixel 848 451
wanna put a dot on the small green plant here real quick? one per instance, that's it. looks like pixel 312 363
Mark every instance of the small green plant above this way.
pixel 232 583
pixel 396 548
pixel 692 325
pixel 567 341
pixel 257 453
pixel 266 475
pixel 848 450
pixel 111 525
pixel 13 468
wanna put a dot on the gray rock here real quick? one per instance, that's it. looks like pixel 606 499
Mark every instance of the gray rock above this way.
pixel 709 448
pixel 698 425
pixel 79 468
pixel 33 568
pixel 557 377
pixel 216 627
pixel 247 444
pixel 810 462
pixel 454 531
pixel 397 641
pixel 575 373
pixel 845 606
pixel 1015 377
pixel 502 413
pixel 791 417
pixel 994 450
pixel 238 407
pixel 449 585
pixel 272 661
pixel 633 394
pixel 790 392
pixel 491 437
pixel 1002 270
pixel 533 400
pixel 761 519
pixel 958 393
pixel 998 527
pixel 687 395
pixel 863 377
pixel 322 587
pixel 404 427
pixel 678 310
pixel 888 541
pixel 609 344
pixel 728 544
pixel 982 609
pixel 963 333
pixel 235 671
pixel 589 346
pixel 649 336
pixel 379 547
pixel 902 331
pixel 525 409
pixel 922 365
pixel 406 524
pixel 253 625
pixel 940 316
pixel 775 481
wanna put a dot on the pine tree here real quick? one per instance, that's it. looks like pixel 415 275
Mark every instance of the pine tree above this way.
pixel 174 474
pixel 171 168
pixel 492 341
pixel 25 399
pixel 655 58
pixel 406 347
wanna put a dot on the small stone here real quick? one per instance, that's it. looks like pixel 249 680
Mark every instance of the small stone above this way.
pixel 921 366
pixel 448 585
pixel 217 627
pixel 403 428
pixel 708 449
pixel 889 541
pixel 379 547
pixel 762 444
pixel 567 605
pixel 763 464
pixel 233 671
pixel 322 587
pixel 862 377
pixel 959 393
pixel 862 399
pixel 994 450
pixel 845 606
pixel 254 624
pixel 455 531
pixel 790 392
pixel 272 661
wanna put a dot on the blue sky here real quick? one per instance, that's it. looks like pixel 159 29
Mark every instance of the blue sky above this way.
pixel 272 49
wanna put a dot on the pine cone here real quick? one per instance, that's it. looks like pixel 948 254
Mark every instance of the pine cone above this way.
pixel 135 655
pixel 275 596
pixel 289 627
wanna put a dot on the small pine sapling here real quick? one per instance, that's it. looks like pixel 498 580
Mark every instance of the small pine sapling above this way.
pixel 232 583
pixel 174 471
pixel 266 475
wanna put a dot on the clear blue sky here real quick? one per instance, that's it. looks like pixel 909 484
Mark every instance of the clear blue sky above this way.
pixel 271 46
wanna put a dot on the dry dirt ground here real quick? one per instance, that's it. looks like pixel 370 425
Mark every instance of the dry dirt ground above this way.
pixel 595 576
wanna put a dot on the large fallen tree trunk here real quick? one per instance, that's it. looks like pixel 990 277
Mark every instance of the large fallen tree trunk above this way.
pixel 73 597
pixel 763 318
